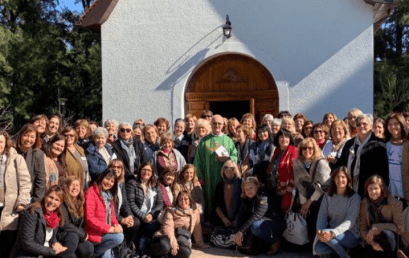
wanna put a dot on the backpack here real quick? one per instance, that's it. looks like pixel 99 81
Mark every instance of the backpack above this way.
pixel 223 237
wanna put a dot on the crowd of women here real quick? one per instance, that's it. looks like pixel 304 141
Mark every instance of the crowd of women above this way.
pixel 122 189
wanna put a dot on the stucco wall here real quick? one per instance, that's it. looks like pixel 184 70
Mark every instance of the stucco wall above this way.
pixel 320 52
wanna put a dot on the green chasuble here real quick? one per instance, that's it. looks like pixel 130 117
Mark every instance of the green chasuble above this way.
pixel 209 167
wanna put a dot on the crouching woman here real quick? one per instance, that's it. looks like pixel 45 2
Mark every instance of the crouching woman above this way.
pixel 179 223
pixel 258 216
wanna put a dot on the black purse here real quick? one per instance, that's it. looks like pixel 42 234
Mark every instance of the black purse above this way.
pixel 181 232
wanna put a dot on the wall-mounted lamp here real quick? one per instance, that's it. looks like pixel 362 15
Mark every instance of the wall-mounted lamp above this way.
pixel 227 28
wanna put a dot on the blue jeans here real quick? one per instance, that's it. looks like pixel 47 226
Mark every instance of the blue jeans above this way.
pixel 338 245
pixel 109 241
pixel 266 230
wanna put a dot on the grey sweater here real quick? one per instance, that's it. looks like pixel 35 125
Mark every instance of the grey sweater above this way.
pixel 339 214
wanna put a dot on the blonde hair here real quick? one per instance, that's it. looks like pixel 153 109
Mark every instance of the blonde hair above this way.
pixel 251 117
pixel 166 136
pixel 288 119
pixel 342 124
pixel 202 123
pixel 228 163
pixel 114 162
pixel 317 150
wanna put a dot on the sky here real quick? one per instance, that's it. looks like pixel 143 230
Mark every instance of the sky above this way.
pixel 71 5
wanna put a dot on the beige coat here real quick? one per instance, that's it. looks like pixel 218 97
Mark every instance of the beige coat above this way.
pixel 17 183
pixel 392 212
pixel 175 218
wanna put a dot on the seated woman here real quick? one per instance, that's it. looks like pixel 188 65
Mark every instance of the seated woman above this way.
pixel 145 200
pixel 75 158
pixel 72 233
pixel 188 181
pixel 83 131
pixel 167 156
pixel 264 152
pixel 99 153
pixel 179 223
pixel 228 201
pixel 101 224
pixel 28 145
pixel 163 125
pixel 339 135
pixel 380 219
pixel 152 141
pixel 168 187
pixel 258 216
pixel 39 225
pixel 202 128
pixel 246 149
pixel 312 178
pixel 337 223
pixel 55 165
pixel 122 210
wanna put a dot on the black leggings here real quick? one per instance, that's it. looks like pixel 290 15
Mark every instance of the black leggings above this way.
pixel 387 240
pixel 161 247
pixel 80 250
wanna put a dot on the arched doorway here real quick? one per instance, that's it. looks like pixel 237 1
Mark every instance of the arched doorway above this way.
pixel 232 85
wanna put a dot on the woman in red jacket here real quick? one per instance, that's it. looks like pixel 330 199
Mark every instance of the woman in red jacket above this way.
pixel 101 224
pixel 280 171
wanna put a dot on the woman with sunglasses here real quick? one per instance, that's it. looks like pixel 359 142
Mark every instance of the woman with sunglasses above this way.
pixel 130 151
pixel 77 165
pixel 311 176
pixel 99 153
pixel 228 193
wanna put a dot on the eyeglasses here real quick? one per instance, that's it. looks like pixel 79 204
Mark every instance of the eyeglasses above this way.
pixel 69 136
pixel 307 148
pixel 229 168
pixel 362 124
pixel 122 130
pixel 318 131
pixel 146 170
pixel 118 167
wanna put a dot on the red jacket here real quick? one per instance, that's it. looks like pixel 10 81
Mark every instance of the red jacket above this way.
pixel 96 215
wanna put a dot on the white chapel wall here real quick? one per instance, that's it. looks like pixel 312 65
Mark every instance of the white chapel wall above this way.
pixel 320 52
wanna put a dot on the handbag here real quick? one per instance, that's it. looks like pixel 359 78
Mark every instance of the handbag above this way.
pixel 296 231
pixel 222 237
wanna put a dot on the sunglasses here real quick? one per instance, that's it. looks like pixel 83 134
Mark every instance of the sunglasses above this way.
pixel 318 131
pixel 122 130
pixel 307 148
pixel 229 168
pixel 119 167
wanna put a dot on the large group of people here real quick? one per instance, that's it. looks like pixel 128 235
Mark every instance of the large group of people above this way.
pixel 141 190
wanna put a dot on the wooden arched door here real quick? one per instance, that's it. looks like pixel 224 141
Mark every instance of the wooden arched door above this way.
pixel 233 84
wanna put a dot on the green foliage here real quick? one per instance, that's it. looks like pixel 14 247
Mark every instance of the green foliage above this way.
pixel 36 67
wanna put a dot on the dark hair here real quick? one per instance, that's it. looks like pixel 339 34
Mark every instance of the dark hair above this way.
pixel 161 120
pixel 265 128
pixel 41 204
pixel 299 116
pixel 75 207
pixel 401 120
pixel 283 114
pixel 306 123
pixel 153 180
pixel 59 120
pixel 192 202
pixel 206 113
pixel 168 171
pixel 28 128
pixel 376 179
pixel 283 132
pixel 40 117
pixel 105 173
pixel 48 146
pixel 333 187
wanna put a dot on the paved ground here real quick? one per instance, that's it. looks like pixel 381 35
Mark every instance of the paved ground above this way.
pixel 222 253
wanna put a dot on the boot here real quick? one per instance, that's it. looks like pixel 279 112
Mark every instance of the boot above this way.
pixel 274 248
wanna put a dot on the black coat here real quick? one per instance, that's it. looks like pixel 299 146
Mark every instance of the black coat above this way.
pixel 136 195
pixel 71 224
pixel 124 210
pixel 31 237
pixel 36 166
pixel 141 156
pixel 183 145
pixel 374 160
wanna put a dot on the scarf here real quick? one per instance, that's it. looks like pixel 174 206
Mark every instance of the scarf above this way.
pixel 107 196
pixel 261 150
pixel 166 200
pixel 273 170
pixel 321 143
pixel 128 147
pixel 235 200
pixel 374 210
pixel 355 155
pixel 51 220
